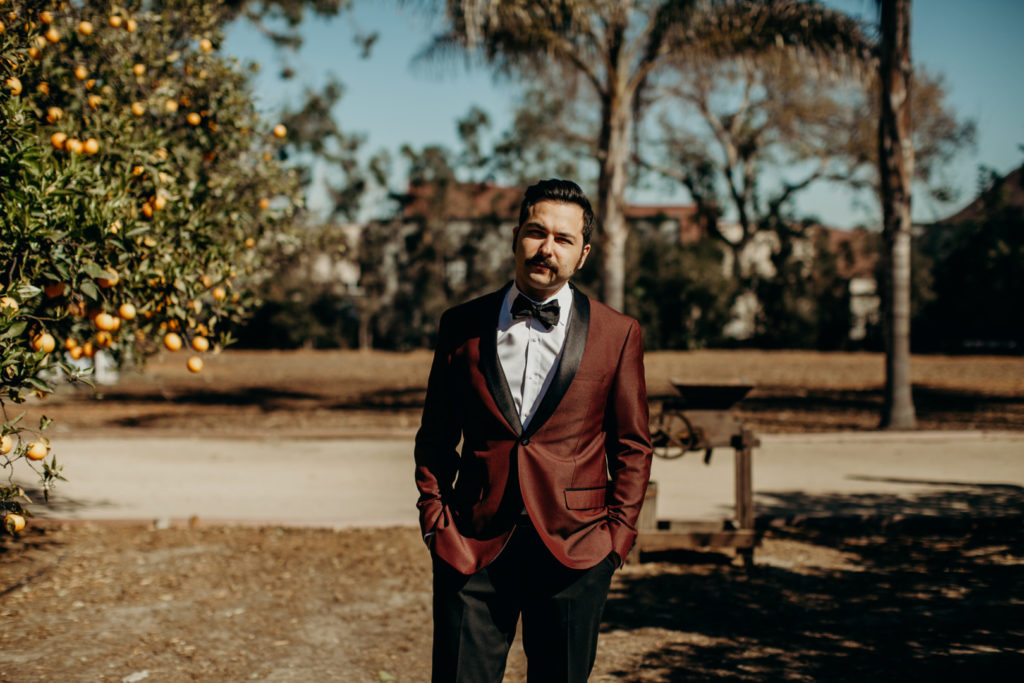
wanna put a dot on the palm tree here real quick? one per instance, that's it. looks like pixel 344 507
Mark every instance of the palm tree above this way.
pixel 618 47
pixel 896 170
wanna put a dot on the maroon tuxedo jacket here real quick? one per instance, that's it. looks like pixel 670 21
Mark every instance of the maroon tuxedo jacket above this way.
pixel 580 469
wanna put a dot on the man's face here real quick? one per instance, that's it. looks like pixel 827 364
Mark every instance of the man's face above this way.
pixel 549 248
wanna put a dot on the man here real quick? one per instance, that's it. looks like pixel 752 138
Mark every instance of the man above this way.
pixel 545 390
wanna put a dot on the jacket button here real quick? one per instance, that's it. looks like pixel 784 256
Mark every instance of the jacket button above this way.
pixel 525 441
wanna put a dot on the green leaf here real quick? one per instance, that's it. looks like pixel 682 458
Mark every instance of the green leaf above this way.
pixel 26 291
pixel 15 330
pixel 39 384
pixel 9 425
pixel 93 270
pixel 89 289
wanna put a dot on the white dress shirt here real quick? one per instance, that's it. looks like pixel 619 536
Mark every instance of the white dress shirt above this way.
pixel 529 353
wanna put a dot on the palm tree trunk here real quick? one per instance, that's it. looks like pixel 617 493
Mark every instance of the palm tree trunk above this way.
pixel 896 160
pixel 613 152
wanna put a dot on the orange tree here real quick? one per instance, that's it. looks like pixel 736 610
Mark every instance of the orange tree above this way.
pixel 141 200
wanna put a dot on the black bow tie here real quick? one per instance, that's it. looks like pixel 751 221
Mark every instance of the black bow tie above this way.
pixel 546 314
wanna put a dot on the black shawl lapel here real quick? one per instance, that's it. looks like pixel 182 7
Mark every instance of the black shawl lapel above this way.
pixel 491 368
pixel 572 354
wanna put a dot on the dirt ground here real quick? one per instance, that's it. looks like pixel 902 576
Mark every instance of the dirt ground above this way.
pixel 122 602
pixel 130 603
pixel 348 393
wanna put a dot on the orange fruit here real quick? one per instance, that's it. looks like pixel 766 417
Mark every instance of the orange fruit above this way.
pixel 171 106
pixel 159 202
pixel 139 69
pixel 14 85
pixel 206 45
pixel 6 444
pixel 54 289
pixel 280 130
pixel 138 170
pixel 200 344
pixel 194 364
pixel 94 101
pixel 88 350
pixel 81 73
pixel 52 35
pixel 73 145
pixel 219 293
pixel 264 203
pixel 91 146
pixel 206 280
pixel 70 343
pixel 8 302
pixel 46 16
pixel 14 522
pixel 172 341
pixel 76 352
pixel 138 108
pixel 36 450
pixel 115 21
pixel 250 242
pixel 85 27
pixel 194 118
pixel 43 88
pixel 104 321
pixel 44 342
pixel 54 114
pixel 126 311
pixel 131 25
pixel 58 140
pixel 104 338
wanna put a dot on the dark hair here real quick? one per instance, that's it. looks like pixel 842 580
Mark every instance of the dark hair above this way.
pixel 557 190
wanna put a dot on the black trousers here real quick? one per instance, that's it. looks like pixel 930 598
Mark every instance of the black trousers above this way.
pixel 475 616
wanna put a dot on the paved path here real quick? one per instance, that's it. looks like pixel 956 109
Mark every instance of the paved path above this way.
pixel 341 482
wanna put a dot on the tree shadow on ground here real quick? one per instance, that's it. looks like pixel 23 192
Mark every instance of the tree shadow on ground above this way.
pixel 771 408
pixel 385 400
pixel 247 396
pixel 945 502
pixel 942 601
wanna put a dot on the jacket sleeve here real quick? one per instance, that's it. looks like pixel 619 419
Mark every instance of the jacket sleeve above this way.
pixel 437 439
pixel 628 444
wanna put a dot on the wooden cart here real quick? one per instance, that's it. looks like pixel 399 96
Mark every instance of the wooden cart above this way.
pixel 701 419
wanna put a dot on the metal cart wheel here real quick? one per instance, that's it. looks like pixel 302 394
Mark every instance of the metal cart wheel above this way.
pixel 672 434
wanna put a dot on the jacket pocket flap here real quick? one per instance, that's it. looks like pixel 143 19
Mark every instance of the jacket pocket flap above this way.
pixel 585 499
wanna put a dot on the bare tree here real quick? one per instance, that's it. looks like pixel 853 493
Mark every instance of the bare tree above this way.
pixel 619 47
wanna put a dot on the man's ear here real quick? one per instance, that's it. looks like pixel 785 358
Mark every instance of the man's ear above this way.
pixel 583 256
pixel 515 238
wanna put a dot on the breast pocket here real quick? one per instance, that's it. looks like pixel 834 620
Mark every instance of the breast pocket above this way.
pixel 589 498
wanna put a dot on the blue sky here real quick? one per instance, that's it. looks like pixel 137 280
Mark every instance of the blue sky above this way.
pixel 392 101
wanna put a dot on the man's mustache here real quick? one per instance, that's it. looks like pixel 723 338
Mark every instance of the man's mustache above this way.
pixel 539 260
